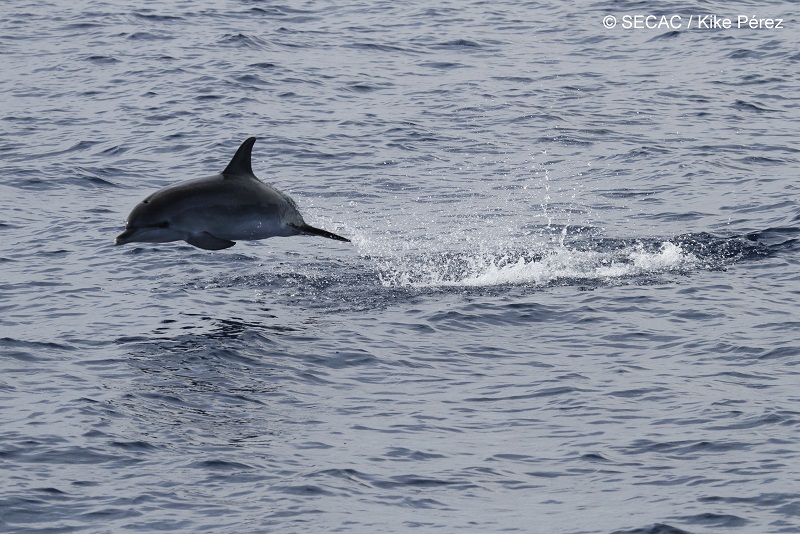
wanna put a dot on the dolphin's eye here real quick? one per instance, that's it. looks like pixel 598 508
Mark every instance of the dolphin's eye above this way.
pixel 145 201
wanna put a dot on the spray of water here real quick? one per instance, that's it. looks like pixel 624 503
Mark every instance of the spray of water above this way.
pixel 537 265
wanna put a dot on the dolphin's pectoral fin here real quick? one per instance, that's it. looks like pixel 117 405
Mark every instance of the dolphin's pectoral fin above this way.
pixel 207 241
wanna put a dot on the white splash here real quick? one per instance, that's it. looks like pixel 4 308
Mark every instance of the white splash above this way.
pixel 542 267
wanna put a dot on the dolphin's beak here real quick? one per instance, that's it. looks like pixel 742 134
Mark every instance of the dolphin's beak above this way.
pixel 125 236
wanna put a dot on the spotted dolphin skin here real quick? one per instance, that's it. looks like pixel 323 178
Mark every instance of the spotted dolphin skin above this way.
pixel 213 213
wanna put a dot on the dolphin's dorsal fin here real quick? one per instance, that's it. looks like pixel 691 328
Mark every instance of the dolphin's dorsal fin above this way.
pixel 240 164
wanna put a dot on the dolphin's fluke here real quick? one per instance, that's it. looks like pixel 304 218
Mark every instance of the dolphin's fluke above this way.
pixel 240 164
pixel 308 229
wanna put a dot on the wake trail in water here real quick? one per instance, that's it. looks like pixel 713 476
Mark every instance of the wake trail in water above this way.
pixel 592 261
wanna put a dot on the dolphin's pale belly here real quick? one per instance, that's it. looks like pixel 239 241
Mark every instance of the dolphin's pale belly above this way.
pixel 235 223
pixel 250 229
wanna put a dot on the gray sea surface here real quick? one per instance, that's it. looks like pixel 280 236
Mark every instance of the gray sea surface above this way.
pixel 570 304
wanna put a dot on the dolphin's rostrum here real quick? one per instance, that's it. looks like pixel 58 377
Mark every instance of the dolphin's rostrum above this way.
pixel 212 213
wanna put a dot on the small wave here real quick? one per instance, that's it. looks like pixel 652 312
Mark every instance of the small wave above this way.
pixel 460 43
pixel 244 41
pixel 741 105
pixel 658 528
pixel 361 87
pixel 148 36
pixel 743 53
pixel 442 65
pixel 668 35
pixel 101 59
pixel 716 520
pixel 90 178
pixel 222 465
pixel 29 351
pixel 150 16
pixel 381 47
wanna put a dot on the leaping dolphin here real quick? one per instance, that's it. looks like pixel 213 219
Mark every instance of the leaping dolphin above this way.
pixel 212 213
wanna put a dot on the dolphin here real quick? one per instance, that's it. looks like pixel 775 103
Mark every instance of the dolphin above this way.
pixel 213 213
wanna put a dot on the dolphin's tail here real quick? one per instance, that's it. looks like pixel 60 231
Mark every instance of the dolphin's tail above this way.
pixel 308 229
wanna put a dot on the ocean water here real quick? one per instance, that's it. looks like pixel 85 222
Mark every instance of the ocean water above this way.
pixel 569 306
